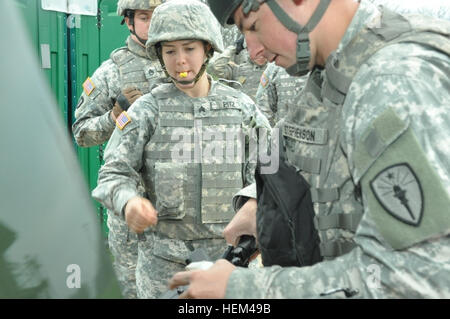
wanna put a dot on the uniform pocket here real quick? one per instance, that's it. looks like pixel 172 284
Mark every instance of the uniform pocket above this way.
pixel 169 189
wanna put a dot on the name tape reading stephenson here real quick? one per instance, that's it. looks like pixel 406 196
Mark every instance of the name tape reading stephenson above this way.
pixel 229 308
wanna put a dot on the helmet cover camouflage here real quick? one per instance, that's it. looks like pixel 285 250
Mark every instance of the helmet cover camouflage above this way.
pixel 181 20
pixel 123 5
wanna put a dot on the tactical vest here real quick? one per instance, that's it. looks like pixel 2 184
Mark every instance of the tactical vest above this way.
pixel 195 171
pixel 312 134
pixel 136 71
pixel 248 74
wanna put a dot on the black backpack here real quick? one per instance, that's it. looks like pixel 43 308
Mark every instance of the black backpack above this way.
pixel 285 217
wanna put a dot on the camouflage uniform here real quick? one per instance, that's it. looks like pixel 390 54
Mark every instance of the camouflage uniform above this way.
pixel 128 67
pixel 277 91
pixel 381 184
pixel 192 194
pixel 242 72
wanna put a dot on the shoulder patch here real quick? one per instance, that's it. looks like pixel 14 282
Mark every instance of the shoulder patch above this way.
pixel 399 192
pixel 123 120
pixel 88 86
pixel 264 80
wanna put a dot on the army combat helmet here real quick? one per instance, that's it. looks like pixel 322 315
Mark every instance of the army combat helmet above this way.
pixel 223 10
pixel 183 20
pixel 126 8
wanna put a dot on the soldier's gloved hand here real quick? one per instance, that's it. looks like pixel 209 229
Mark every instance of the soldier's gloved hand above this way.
pixel 130 95
pixel 140 214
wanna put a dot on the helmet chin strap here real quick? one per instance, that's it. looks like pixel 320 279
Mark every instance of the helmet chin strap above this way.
pixel 196 78
pixel 131 20
pixel 303 54
pixel 184 82
pixel 137 37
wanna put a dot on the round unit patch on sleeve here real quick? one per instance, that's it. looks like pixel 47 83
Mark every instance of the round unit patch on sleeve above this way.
pixel 398 190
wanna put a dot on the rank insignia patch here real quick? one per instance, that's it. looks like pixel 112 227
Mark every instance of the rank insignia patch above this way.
pixel 122 120
pixel 88 86
pixel 399 192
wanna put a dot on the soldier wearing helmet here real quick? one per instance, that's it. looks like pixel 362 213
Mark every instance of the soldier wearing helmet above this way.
pixel 175 140
pixel 378 173
pixel 117 83
pixel 237 69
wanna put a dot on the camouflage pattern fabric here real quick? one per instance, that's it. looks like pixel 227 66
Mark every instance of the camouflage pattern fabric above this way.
pixel 93 125
pixel 277 91
pixel 180 20
pixel 127 67
pixel 230 34
pixel 392 258
pixel 193 198
pixel 123 245
pixel 243 74
pixel 167 256
pixel 122 5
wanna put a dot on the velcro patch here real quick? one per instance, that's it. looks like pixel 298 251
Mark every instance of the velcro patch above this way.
pixel 404 194
pixel 123 120
pixel 312 135
pixel 88 86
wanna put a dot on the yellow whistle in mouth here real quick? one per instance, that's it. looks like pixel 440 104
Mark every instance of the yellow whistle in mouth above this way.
pixel 183 74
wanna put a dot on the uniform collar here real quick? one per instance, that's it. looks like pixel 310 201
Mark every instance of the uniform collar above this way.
pixel 364 15
pixel 136 48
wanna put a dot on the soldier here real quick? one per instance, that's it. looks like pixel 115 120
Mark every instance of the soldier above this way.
pixel 277 92
pixel 235 65
pixel 129 72
pixel 175 138
pixel 381 192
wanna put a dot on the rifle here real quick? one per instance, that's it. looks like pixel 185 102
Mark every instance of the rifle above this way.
pixel 239 256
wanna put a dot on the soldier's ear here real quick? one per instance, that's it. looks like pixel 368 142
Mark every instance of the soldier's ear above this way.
pixel 127 21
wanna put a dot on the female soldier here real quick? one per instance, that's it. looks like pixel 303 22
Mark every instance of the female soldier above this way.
pixel 189 181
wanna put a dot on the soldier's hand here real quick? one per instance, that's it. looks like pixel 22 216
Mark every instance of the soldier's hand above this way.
pixel 211 283
pixel 140 214
pixel 132 94
pixel 115 112
pixel 243 223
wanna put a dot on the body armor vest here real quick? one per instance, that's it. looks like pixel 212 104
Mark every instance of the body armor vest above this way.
pixel 248 74
pixel 312 135
pixel 196 171
pixel 136 71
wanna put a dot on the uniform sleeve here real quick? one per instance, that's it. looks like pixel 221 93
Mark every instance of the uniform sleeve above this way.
pixel 222 65
pixel 266 96
pixel 395 125
pixel 119 177
pixel 257 128
pixel 93 125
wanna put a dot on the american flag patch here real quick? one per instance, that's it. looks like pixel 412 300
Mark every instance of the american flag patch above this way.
pixel 264 80
pixel 88 86
pixel 122 120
